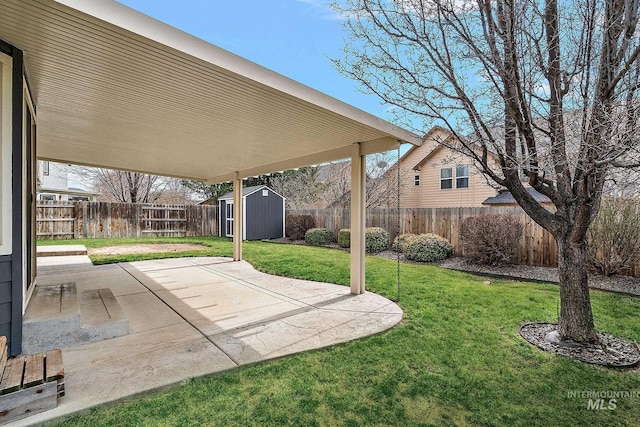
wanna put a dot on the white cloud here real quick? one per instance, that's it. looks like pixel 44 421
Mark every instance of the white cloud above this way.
pixel 329 13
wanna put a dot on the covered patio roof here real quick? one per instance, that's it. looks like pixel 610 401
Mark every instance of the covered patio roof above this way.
pixel 115 88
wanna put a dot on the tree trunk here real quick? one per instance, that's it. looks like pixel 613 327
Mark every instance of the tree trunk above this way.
pixel 576 317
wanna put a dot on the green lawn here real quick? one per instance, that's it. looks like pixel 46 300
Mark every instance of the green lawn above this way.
pixel 456 359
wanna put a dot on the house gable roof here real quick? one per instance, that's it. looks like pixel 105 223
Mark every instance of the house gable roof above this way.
pixel 426 136
pixel 451 139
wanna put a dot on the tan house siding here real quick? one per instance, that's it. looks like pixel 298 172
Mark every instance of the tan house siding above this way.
pixel 428 193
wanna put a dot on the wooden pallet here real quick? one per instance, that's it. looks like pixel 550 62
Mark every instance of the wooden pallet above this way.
pixel 29 384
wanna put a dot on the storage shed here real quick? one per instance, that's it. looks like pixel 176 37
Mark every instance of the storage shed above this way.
pixel 262 212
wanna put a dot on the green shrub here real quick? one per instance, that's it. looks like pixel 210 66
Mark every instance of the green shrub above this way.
pixel 491 239
pixel 297 225
pixel 344 238
pixel 376 240
pixel 427 248
pixel 614 236
pixel 318 236
pixel 400 242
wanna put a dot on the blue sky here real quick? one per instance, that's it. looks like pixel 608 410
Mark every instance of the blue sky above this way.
pixel 295 38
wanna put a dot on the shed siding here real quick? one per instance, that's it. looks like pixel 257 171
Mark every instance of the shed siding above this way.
pixel 264 216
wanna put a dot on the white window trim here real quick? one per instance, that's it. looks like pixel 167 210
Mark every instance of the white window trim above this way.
pixel 446 179
pixel 26 192
pixel 468 176
pixel 228 219
pixel 6 149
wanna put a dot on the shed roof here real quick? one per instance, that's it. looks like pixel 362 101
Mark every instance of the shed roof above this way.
pixel 505 197
pixel 118 89
pixel 247 191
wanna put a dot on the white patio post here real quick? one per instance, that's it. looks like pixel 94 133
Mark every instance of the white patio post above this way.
pixel 237 218
pixel 358 220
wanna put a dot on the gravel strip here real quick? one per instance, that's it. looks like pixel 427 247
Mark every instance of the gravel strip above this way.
pixel 620 284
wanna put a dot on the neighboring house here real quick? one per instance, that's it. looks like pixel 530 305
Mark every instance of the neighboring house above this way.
pixel 52 184
pixel 435 176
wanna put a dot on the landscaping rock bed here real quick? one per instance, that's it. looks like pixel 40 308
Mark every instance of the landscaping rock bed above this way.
pixel 614 352
pixel 621 284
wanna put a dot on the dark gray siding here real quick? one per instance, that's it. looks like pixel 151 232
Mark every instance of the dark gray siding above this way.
pixel 5 296
pixel 11 279
pixel 264 216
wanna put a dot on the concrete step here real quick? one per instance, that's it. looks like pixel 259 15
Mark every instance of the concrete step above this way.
pixel 52 318
pixel 102 317
pixel 61 250
pixel 58 317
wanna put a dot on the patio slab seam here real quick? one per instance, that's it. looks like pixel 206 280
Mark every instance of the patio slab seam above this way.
pixel 246 282
pixel 261 288
pixel 182 317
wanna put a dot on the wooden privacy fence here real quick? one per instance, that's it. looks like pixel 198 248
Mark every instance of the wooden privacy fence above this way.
pixel 60 220
pixel 537 246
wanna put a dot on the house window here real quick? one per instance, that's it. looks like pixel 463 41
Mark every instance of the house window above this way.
pixel 416 180
pixel 462 176
pixel 446 179
pixel 45 168
pixel 265 193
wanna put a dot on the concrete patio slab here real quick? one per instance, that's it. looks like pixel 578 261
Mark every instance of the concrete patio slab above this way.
pixel 195 316
pixel 146 311
pixel 88 277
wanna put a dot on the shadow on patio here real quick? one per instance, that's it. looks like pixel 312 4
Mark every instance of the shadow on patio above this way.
pixel 195 316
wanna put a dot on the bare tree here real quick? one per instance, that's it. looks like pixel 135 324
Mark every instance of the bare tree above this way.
pixel 549 87
pixel 299 187
pixel 175 193
pixel 336 184
pixel 381 186
pixel 122 186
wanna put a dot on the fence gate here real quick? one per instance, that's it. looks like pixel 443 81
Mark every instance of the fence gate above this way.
pixel 164 221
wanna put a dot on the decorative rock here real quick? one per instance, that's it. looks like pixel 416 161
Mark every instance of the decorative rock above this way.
pixel 614 352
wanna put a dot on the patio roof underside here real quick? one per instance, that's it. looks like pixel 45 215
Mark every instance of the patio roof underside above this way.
pixel 117 89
